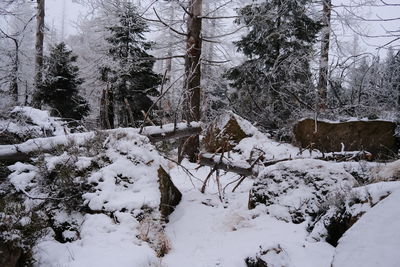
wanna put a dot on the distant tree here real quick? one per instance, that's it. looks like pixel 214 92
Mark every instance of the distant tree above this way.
pixel 60 87
pixel 130 73
pixel 392 77
pixel 276 79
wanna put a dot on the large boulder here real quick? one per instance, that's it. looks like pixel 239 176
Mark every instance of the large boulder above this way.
pixel 296 190
pixel 225 132
pixel 376 137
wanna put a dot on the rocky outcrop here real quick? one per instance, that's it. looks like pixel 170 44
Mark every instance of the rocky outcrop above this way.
pixel 376 137
pixel 296 190
pixel 224 134
pixel 170 195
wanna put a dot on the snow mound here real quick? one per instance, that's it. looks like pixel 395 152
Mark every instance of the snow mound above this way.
pixel 296 190
pixel 273 256
pixel 388 172
pixel 340 215
pixel 94 193
pixel 374 240
pixel 27 122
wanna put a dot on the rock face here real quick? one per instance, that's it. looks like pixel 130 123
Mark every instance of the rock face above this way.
pixel 376 137
pixel 223 134
pixel 296 190
pixel 170 195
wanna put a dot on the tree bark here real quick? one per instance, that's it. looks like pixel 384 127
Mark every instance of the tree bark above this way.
pixel 14 77
pixel 324 60
pixel 39 42
pixel 191 112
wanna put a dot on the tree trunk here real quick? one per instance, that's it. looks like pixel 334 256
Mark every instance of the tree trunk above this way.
pixel 14 78
pixel 324 60
pixel 39 42
pixel 191 112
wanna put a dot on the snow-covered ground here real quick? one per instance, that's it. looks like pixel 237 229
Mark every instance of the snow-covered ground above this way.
pixel 120 224
pixel 207 232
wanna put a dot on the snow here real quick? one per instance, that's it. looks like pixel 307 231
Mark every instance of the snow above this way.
pixel 102 243
pixel 29 120
pixel 211 229
pixel 374 240
pixel 204 231
pixel 148 130
pixel 387 172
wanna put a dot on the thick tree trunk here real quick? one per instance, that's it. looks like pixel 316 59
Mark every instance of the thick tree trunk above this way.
pixel 39 42
pixel 324 60
pixel 191 112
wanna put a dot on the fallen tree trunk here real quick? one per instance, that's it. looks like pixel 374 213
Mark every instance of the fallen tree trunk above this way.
pixel 176 134
pixel 23 151
pixel 216 163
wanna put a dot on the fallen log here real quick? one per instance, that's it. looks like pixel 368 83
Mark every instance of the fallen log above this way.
pixel 24 151
pixel 220 163
pixel 175 134
pixel 223 164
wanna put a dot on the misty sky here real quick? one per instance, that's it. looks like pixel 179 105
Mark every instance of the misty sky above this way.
pixel 73 11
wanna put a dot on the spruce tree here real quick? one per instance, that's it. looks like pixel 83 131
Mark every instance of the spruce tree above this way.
pixel 60 87
pixel 275 81
pixel 130 75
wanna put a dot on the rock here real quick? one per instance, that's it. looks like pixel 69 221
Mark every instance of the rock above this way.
pixel 274 256
pixel 224 133
pixel 170 195
pixel 376 137
pixel 296 190
pixel 9 255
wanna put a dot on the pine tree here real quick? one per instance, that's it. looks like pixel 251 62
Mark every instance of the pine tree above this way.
pixel 276 80
pixel 392 78
pixel 130 76
pixel 59 89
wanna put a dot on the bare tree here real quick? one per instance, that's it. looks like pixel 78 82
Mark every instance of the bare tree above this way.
pixel 324 60
pixel 39 42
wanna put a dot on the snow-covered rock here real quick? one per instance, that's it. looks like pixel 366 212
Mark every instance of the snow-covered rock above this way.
pixel 296 190
pixel 336 219
pixel 374 240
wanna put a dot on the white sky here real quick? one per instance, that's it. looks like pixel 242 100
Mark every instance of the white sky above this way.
pixel 73 11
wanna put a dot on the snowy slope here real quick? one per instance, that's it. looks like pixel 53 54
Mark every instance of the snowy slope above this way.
pixel 374 240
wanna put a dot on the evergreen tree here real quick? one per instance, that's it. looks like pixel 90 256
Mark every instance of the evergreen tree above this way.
pixel 131 78
pixel 392 78
pixel 276 80
pixel 59 89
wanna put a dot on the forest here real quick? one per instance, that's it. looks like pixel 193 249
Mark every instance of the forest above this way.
pixel 167 133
